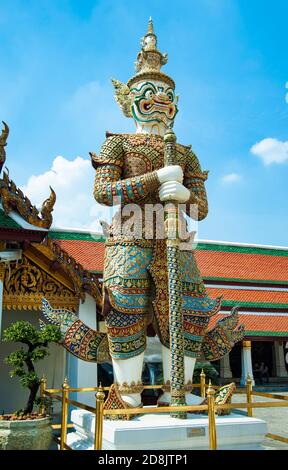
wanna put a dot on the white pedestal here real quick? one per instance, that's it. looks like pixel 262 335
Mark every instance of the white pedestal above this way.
pixel 160 432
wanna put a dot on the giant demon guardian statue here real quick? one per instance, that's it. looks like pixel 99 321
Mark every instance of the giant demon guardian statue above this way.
pixel 137 277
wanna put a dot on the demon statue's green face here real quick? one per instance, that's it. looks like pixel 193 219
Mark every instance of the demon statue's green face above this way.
pixel 154 102
pixel 151 103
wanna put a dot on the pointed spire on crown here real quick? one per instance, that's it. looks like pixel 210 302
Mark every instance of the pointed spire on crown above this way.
pixel 150 60
pixel 150 26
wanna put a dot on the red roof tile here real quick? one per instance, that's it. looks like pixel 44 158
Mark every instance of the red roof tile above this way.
pixel 88 253
pixel 250 295
pixel 215 264
pixel 242 266
pixel 227 264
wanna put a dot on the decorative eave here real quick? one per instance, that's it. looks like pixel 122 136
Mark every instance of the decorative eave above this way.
pixel 46 270
pixel 27 281
pixel 13 199
pixel 83 280
pixel 14 228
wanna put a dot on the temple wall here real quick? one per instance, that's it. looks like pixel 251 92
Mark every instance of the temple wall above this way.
pixel 12 395
pixel 81 373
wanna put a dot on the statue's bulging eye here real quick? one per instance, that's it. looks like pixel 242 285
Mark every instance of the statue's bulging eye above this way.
pixel 148 93
pixel 170 96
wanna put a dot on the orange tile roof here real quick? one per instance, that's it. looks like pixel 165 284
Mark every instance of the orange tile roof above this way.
pixel 215 261
pixel 88 253
pixel 224 264
pixel 212 264
pixel 250 296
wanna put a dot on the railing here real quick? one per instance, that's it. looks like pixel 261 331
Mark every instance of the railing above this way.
pixel 206 390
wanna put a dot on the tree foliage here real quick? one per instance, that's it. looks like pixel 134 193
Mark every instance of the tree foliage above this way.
pixel 22 360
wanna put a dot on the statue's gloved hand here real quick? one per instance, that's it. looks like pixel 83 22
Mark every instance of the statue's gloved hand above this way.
pixel 170 173
pixel 173 191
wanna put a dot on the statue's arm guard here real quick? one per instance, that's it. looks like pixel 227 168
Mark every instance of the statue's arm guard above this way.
pixel 108 183
pixel 194 180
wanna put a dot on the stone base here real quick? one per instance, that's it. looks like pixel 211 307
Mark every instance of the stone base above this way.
pixel 160 432
pixel 33 434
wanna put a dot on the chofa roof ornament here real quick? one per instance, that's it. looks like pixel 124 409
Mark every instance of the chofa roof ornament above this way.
pixel 3 143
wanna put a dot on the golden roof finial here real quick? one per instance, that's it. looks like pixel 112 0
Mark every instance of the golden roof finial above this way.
pixel 4 135
pixel 3 143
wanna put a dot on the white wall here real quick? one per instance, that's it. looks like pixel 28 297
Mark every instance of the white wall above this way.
pixel 12 395
pixel 82 373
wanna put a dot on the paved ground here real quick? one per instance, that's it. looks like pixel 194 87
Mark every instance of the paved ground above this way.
pixel 276 418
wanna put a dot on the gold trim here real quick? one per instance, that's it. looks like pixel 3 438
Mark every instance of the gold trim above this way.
pixel 188 387
pixel 133 387
pixel 14 199
pixel 3 142
pixel 115 401
pixel 151 76
pixel 25 284
pixel 83 280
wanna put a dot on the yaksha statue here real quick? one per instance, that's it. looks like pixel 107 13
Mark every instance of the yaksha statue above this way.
pixel 131 168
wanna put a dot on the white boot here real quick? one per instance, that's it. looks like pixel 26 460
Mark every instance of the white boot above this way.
pixel 128 376
pixel 189 364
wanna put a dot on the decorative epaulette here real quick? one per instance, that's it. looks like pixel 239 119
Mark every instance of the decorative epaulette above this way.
pixel 201 176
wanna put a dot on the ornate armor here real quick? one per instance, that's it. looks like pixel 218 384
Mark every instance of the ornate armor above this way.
pixel 135 270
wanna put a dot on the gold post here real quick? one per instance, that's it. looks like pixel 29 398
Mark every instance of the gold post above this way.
pixel 202 383
pixel 100 396
pixel 64 413
pixel 43 383
pixel 249 395
pixel 211 417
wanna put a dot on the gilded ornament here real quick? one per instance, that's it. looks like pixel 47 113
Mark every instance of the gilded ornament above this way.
pixel 13 199
pixel 3 142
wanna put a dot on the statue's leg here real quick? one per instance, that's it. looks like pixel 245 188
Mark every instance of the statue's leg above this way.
pixel 189 364
pixel 128 376
pixel 127 343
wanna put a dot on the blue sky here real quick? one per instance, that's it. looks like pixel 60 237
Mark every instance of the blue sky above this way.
pixel 229 61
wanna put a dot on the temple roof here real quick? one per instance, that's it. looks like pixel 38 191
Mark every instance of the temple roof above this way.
pixel 85 247
pixel 218 261
pixel 254 277
pixel 7 222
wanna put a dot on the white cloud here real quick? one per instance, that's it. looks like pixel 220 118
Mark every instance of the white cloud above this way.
pixel 72 180
pixel 231 178
pixel 271 151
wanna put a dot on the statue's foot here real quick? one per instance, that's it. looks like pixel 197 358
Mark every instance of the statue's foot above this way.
pixel 133 400
pixel 193 399
pixel 165 398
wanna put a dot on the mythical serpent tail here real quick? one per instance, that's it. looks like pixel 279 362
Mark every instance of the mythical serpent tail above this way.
pixel 220 340
pixel 76 337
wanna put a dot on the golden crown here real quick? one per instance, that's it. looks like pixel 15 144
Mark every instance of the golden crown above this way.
pixel 150 60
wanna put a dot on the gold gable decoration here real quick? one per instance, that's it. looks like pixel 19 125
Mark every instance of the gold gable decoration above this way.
pixel 12 198
pixel 83 280
pixel 25 284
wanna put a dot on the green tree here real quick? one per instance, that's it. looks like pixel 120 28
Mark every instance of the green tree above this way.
pixel 36 348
